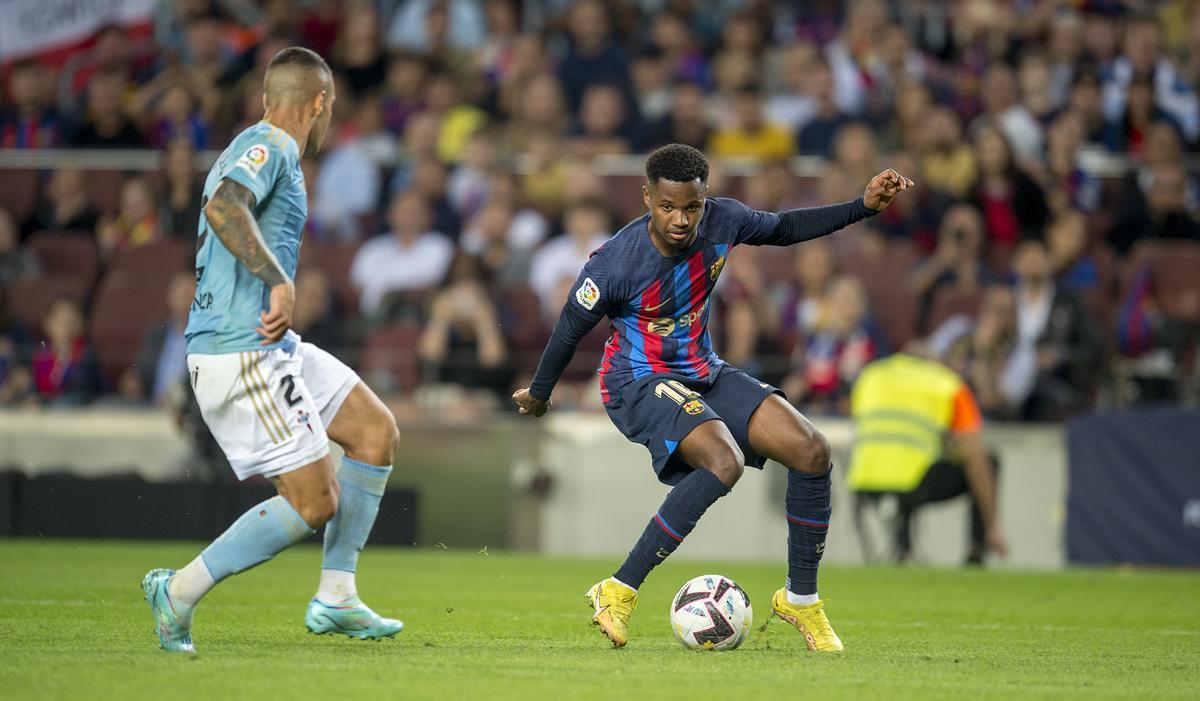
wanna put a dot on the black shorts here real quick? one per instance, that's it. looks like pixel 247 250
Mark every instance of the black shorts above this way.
pixel 659 411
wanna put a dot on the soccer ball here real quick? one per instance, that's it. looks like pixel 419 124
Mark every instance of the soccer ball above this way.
pixel 711 612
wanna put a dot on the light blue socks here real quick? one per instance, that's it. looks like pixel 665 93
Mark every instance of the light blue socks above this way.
pixel 362 487
pixel 257 536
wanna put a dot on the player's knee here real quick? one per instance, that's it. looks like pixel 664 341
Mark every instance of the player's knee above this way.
pixel 389 436
pixel 728 465
pixel 811 453
pixel 318 510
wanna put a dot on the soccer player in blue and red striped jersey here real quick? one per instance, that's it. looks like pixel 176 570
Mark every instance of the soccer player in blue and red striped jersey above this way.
pixel 664 386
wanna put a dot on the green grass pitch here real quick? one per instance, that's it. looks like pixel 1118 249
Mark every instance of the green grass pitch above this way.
pixel 502 626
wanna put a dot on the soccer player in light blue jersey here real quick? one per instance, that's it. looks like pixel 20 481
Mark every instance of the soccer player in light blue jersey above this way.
pixel 272 401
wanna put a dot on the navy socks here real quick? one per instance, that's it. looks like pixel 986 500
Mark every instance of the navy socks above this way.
pixel 675 519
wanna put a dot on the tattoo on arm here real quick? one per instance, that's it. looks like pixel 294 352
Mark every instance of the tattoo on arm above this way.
pixel 229 215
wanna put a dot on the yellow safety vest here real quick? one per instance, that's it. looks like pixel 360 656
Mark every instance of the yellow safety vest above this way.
pixel 902 408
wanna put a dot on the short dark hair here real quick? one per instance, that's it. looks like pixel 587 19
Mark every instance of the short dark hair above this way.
pixel 300 57
pixel 678 163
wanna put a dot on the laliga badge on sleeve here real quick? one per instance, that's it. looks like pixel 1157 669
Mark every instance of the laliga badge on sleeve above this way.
pixel 588 294
pixel 253 159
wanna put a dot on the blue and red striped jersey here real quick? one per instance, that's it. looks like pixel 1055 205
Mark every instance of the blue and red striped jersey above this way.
pixel 658 306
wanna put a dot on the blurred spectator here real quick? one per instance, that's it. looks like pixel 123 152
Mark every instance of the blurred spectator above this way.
pixel 906 129
pixel 1068 185
pixel 315 318
pixel 16 263
pixel 772 189
pixel 429 180
pixel 180 215
pixel 843 341
pixel 1128 131
pixel 557 263
pixel 468 187
pixel 461 342
pixel 547 173
pixel 683 57
pixel 409 257
pixel 136 224
pixel 403 90
pixel 357 53
pixel 16 380
pixel 162 358
pixel 105 124
pixel 1166 215
pixel 1003 111
pixel 503 245
pixel 687 122
pixel 457 118
pixel 792 104
pixel 497 54
pixel 747 317
pixel 63 204
pixel 651 80
pixel 853 163
pixel 1142 58
pixel 852 55
pixel 409 28
pixel 1056 337
pixel 1074 266
pixel 30 121
pixel 64 366
pixel 539 111
pixel 1083 101
pixel 602 123
pixel 593 56
pixel 1035 83
pixel 504 218
pixel 956 263
pixel 982 350
pixel 947 161
pixel 750 134
pixel 349 183
pixel 816 137
pixel 801 298
pixel 1064 47
pixel 1012 203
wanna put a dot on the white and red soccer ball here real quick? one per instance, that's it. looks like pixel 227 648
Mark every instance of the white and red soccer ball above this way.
pixel 711 612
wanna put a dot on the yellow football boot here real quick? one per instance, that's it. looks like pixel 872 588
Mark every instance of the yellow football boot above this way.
pixel 809 620
pixel 614 604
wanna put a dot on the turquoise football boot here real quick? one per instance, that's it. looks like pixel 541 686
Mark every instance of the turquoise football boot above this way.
pixel 173 626
pixel 354 620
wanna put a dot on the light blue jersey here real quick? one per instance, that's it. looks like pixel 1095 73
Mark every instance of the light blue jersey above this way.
pixel 229 298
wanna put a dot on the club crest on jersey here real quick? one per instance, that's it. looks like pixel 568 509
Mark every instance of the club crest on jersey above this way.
pixel 714 272
pixel 662 326
pixel 588 294
pixel 254 159
pixel 694 407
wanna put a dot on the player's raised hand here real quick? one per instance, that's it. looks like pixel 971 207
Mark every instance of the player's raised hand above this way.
pixel 275 322
pixel 883 188
pixel 529 404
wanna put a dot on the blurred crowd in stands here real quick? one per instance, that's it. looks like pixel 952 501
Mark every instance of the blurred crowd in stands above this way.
pixel 1050 253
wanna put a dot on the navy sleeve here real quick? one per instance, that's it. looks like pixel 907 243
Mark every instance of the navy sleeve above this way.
pixel 798 225
pixel 588 303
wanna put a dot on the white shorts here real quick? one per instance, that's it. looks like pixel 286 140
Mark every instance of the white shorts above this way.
pixel 268 409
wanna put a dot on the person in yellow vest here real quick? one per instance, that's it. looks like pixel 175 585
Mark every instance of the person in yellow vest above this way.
pixel 919 435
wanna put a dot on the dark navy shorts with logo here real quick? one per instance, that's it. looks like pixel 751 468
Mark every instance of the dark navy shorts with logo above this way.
pixel 659 411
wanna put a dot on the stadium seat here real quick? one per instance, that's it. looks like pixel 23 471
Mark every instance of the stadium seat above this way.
pixel 389 358
pixel 334 259
pixel 131 297
pixel 31 298
pixel 948 302
pixel 19 193
pixel 1173 273
pixel 104 189
pixel 67 254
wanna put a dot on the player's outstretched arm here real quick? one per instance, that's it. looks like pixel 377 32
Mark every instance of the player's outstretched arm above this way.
pixel 229 214
pixel 800 225
pixel 573 324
